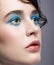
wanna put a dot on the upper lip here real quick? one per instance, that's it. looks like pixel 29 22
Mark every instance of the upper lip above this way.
pixel 33 43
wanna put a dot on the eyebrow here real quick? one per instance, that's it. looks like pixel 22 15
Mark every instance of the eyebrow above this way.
pixel 15 11
pixel 19 12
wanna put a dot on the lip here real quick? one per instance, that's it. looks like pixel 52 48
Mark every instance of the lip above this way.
pixel 34 46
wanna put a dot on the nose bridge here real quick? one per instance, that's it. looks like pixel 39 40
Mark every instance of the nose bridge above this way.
pixel 30 27
pixel 29 24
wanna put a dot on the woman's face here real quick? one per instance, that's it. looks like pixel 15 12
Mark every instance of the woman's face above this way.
pixel 20 37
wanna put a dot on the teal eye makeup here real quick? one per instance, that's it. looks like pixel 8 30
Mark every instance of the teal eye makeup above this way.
pixel 37 19
pixel 15 19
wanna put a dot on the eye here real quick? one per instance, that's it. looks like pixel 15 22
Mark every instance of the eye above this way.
pixel 15 20
pixel 37 19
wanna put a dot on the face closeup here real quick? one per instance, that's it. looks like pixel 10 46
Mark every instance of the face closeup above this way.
pixel 20 33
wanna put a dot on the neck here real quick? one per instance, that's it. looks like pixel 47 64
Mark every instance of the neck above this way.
pixel 11 64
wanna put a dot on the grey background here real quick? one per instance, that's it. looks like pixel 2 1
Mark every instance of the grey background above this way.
pixel 47 7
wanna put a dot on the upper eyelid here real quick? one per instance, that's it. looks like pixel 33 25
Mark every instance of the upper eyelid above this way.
pixel 35 16
pixel 18 16
pixel 14 16
pixel 18 12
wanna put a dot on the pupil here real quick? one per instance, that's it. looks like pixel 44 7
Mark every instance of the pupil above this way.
pixel 16 20
pixel 35 19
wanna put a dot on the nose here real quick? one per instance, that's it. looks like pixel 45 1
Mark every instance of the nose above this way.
pixel 31 29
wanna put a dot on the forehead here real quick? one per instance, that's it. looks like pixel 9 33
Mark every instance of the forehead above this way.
pixel 10 5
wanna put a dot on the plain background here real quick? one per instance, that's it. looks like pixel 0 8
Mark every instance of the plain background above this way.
pixel 47 7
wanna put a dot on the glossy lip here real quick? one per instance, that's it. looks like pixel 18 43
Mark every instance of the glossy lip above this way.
pixel 34 46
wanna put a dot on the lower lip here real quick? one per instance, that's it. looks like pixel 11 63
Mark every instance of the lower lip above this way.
pixel 34 48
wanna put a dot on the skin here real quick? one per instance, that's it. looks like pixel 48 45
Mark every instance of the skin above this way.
pixel 14 39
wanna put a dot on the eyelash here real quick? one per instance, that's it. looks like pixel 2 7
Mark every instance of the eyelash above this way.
pixel 36 19
pixel 16 20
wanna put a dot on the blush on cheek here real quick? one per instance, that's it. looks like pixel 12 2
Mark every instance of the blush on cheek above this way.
pixel 7 33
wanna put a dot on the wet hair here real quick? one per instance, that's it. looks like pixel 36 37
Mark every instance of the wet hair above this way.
pixel 35 3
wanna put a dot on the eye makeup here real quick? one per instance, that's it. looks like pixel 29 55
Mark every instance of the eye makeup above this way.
pixel 14 19
pixel 37 19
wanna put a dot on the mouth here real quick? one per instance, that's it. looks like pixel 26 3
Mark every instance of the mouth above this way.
pixel 34 46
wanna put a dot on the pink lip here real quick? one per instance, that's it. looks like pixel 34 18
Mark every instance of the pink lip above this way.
pixel 34 46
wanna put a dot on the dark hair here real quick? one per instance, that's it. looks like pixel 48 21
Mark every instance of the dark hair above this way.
pixel 35 3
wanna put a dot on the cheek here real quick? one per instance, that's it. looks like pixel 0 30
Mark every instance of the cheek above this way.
pixel 40 35
pixel 10 34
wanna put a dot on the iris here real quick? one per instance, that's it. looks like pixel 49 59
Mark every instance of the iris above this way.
pixel 15 19
pixel 36 19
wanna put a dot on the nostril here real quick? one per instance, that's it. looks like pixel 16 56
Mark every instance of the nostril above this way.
pixel 32 33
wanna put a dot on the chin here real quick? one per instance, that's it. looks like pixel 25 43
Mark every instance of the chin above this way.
pixel 32 60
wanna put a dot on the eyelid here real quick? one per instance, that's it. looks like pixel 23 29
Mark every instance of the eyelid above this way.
pixel 14 16
pixel 35 16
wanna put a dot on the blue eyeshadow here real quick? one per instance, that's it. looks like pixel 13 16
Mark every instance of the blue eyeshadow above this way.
pixel 35 16
pixel 13 17
pixel 36 19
